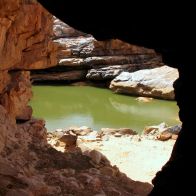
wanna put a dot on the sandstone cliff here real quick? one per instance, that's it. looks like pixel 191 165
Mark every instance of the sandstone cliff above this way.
pixel 81 57
pixel 25 36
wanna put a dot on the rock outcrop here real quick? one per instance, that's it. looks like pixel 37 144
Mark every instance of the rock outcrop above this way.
pixel 24 43
pixel 99 60
pixel 157 83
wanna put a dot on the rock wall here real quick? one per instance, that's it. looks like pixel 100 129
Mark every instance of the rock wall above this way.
pixel 81 57
pixel 28 164
pixel 21 37
pixel 24 44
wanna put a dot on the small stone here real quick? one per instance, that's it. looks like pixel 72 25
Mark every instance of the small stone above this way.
pixel 144 99
pixel 69 140
pixel 175 129
pixel 164 136
pixel 108 131
pixel 117 135
pixel 126 131
pixel 95 156
pixel 88 138
pixel 148 130
pixel 81 130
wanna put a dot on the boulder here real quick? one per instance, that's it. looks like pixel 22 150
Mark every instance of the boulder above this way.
pixel 157 83
pixel 69 140
pixel 162 132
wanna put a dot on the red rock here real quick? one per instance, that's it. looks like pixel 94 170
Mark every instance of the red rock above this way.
pixel 17 95
pixel 164 136
pixel 69 140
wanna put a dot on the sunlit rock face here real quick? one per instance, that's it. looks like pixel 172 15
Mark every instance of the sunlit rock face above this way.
pixel 157 82
pixel 25 38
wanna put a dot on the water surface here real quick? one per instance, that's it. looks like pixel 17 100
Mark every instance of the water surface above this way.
pixel 65 106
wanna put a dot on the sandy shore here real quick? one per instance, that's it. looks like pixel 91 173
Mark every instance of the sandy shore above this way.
pixel 138 157
pixel 139 160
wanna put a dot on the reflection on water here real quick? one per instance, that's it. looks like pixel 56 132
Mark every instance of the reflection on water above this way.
pixel 65 106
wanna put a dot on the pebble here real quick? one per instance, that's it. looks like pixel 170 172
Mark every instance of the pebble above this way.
pixel 95 156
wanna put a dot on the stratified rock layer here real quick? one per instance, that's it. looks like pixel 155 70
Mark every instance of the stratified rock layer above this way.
pixel 25 31
pixel 100 60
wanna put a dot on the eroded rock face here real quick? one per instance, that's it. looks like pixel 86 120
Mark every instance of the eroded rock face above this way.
pixel 156 83
pixel 101 60
pixel 24 43
pixel 17 95
pixel 4 80
pixel 6 124
pixel 28 164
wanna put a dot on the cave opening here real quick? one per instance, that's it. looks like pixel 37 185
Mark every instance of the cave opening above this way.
pixel 28 165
